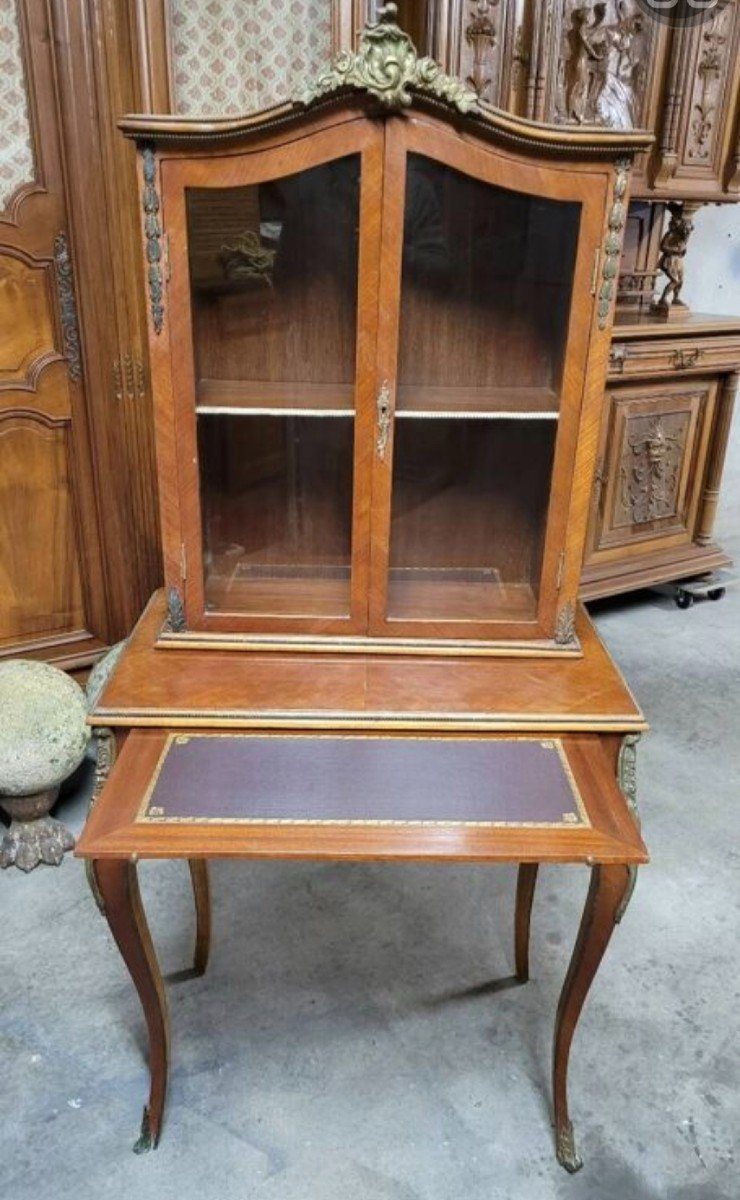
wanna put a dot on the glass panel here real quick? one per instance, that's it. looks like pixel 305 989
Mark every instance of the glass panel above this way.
pixel 16 147
pixel 274 294
pixel 485 304
pixel 229 57
pixel 485 299
pixel 468 516
pixel 277 505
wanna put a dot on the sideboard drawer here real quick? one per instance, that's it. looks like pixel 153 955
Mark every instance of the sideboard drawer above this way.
pixel 672 356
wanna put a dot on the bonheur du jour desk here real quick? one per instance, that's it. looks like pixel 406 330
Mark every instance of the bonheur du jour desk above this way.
pixel 238 755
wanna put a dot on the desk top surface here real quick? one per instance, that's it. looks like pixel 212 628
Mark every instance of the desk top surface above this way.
pixel 396 797
pixel 181 688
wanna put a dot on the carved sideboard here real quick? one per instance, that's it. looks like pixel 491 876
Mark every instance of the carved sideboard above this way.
pixel 665 424
pixel 668 403
pixel 570 62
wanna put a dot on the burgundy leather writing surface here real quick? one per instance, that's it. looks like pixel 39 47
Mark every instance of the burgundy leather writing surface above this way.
pixel 316 778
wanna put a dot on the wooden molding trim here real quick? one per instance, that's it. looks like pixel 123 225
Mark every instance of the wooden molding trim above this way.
pixel 518 130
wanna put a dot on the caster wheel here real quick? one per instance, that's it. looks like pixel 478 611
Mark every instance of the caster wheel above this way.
pixel 716 593
pixel 684 599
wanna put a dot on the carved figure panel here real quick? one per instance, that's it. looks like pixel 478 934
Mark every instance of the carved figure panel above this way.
pixel 16 143
pixel 603 66
pixel 26 318
pixel 652 454
pixel 40 592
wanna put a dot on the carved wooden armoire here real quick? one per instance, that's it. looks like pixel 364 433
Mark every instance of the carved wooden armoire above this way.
pixel 673 374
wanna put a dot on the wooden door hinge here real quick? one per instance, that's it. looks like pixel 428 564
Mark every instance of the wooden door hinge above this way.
pixel 183 562
pixel 167 261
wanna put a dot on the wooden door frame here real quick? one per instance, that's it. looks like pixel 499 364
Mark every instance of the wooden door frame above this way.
pixel 38 227
pixel 585 184
pixel 98 81
pixel 174 372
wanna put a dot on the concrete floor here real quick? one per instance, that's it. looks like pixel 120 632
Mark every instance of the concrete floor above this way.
pixel 341 1045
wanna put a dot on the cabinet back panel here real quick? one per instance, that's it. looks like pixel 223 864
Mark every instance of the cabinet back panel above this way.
pixel 486 286
pixel 468 514
pixel 273 270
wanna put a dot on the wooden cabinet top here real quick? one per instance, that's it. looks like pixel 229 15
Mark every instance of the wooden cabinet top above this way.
pixel 184 688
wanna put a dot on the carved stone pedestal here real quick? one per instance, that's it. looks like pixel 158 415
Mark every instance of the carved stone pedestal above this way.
pixel 34 836
pixel 43 737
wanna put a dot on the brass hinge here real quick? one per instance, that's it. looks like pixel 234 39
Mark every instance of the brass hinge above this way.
pixel 595 270
pixel 561 571
pixel 599 479
pixel 183 562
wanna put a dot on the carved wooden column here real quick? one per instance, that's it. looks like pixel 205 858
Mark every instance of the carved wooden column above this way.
pixel 678 72
pixel 710 493
pixel 732 182
pixel 539 59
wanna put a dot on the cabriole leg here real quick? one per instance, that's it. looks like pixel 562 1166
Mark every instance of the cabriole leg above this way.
pixel 525 885
pixel 118 886
pixel 605 895
pixel 202 897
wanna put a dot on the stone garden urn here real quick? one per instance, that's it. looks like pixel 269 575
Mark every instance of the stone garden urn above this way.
pixel 43 737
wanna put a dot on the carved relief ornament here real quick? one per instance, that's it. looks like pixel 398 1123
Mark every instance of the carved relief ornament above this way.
pixel 565 626
pixel 480 34
pixel 627 780
pixel 613 244
pixel 602 64
pixel 153 235
pixel 710 70
pixel 67 306
pixel 673 247
pixel 650 468
pixel 387 66
pixel 104 759
pixel 175 611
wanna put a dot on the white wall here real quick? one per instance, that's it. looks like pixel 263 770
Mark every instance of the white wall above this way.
pixel 713 261
pixel 713 286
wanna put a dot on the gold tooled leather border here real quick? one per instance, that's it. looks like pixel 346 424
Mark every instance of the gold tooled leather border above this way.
pixel 155 816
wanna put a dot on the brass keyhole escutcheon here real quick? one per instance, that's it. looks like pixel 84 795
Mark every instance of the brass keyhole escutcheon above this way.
pixel 384 420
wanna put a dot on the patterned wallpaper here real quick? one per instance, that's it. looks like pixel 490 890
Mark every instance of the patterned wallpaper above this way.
pixel 234 56
pixel 16 148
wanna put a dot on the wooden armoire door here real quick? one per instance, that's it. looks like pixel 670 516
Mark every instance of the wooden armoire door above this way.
pixel 51 592
pixel 655 439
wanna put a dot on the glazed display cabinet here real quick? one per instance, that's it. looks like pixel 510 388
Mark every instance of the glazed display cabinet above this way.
pixel 379 325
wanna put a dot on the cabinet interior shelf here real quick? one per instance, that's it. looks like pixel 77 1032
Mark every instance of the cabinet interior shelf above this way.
pixel 264 398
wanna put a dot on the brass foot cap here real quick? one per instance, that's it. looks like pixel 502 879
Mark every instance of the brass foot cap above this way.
pixel 147 1139
pixel 565 1150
